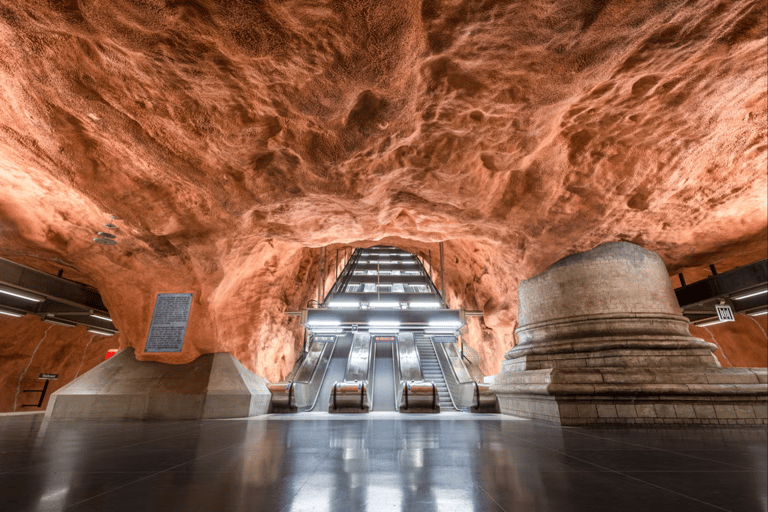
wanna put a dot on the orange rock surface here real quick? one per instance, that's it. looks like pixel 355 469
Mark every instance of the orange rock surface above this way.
pixel 29 347
pixel 234 139
pixel 740 343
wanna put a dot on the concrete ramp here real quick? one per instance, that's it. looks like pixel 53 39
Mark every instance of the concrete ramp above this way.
pixel 211 386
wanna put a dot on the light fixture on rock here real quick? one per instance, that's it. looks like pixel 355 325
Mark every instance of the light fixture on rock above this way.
pixel 107 237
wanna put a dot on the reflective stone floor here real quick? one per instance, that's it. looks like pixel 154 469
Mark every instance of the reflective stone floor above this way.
pixel 376 462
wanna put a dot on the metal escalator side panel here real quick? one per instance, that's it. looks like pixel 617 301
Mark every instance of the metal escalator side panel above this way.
pixel 309 393
pixel 334 371
pixel 408 356
pixel 359 358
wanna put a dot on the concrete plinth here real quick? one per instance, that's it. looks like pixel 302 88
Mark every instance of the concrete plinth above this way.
pixel 603 341
pixel 212 386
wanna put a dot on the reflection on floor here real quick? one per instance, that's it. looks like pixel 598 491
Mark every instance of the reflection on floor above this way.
pixel 375 462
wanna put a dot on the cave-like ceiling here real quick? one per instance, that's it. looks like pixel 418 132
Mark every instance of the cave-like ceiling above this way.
pixel 231 137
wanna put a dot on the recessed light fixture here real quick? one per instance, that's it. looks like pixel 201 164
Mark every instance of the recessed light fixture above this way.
pixel 101 317
pixel 11 313
pixel 758 313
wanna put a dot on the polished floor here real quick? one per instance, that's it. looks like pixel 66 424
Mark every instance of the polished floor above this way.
pixel 376 462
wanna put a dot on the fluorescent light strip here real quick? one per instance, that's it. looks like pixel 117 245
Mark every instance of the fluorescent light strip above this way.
pixel 326 330
pixel 750 314
pixel 707 324
pixel 324 322
pixel 388 305
pixel 393 330
pixel 383 323
pixel 102 317
pixel 437 323
pixel 59 322
pixel 20 294
pixel 751 294
pixel 426 305
pixel 99 331
pixel 345 305
pixel 11 313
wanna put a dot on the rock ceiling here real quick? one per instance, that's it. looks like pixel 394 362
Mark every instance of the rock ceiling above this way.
pixel 233 139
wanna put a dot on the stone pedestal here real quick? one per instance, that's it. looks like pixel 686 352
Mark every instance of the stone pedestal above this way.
pixel 602 340
pixel 211 386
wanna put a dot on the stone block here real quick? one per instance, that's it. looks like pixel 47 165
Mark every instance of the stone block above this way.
pixel 665 411
pixel 568 410
pixel 645 410
pixel 684 411
pixel 606 411
pixel 744 411
pixel 724 411
pixel 626 411
pixel 587 410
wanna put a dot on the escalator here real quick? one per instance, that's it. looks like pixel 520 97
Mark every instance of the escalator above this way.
pixel 430 371
pixel 337 369
pixel 383 377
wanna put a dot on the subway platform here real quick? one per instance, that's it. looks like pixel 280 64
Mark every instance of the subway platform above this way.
pixel 376 462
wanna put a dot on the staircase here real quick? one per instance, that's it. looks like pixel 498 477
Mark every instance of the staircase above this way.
pixel 431 372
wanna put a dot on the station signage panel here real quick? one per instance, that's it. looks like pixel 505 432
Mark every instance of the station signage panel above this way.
pixel 724 313
pixel 169 322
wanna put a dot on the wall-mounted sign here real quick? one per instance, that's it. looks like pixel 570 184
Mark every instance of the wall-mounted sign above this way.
pixel 724 313
pixel 169 322
pixel 48 376
pixel 384 338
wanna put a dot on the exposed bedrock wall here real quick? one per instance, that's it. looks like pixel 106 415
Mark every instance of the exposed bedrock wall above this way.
pixel 742 343
pixel 29 347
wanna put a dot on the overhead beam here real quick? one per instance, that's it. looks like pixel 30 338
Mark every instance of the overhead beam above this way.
pixel 50 287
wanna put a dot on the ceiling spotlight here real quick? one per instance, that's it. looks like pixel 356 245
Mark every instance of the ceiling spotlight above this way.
pixel 106 237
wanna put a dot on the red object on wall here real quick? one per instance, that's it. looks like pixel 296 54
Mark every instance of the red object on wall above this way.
pixel 110 353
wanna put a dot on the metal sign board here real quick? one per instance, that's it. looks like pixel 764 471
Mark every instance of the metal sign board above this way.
pixel 384 338
pixel 724 313
pixel 444 339
pixel 169 322
pixel 48 376
pixel 325 339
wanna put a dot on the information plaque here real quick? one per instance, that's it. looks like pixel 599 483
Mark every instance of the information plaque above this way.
pixel 169 322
